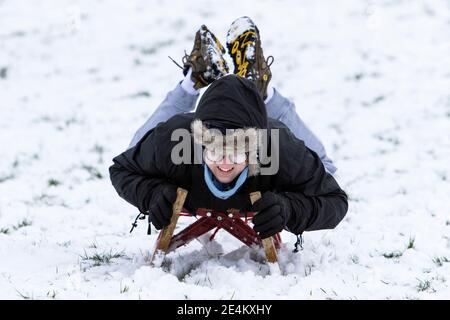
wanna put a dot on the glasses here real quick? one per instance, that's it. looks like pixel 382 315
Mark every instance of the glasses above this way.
pixel 234 157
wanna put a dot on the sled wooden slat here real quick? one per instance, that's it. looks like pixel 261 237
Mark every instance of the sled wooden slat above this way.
pixel 163 242
pixel 268 244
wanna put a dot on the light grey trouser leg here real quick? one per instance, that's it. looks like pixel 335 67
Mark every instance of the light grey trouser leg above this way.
pixel 280 108
pixel 177 101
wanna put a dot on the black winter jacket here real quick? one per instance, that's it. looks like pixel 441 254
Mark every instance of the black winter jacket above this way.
pixel 316 199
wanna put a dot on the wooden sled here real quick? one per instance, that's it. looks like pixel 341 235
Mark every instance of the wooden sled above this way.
pixel 233 221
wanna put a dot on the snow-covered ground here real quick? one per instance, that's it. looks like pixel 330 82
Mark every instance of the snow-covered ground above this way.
pixel 77 78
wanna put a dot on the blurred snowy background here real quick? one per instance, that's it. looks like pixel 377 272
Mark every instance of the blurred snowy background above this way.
pixel 77 78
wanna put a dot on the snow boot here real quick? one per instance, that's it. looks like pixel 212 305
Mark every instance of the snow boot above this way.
pixel 206 59
pixel 244 46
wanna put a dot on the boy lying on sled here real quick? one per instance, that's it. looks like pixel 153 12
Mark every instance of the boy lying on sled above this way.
pixel 243 137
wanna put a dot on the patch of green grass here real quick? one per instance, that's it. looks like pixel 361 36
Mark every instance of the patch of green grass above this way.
pixel 25 296
pixel 16 163
pixel 44 198
pixel 124 289
pixel 70 121
pixel 140 94
pixel 6 178
pixel 93 245
pixel 424 286
pixel 308 269
pixel 411 243
pixel 354 258
pixel 3 72
pixel 24 223
pixel 393 254
pixel 439 261
pixel 94 173
pixel 98 149
pixel 102 258
pixel 65 244
pixel 397 254
pixel 53 182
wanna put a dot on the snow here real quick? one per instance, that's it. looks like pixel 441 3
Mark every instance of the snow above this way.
pixel 77 78
pixel 238 27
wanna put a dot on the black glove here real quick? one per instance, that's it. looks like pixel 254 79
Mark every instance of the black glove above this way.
pixel 273 213
pixel 161 203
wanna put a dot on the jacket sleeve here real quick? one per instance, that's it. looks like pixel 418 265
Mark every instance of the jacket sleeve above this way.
pixel 135 173
pixel 317 201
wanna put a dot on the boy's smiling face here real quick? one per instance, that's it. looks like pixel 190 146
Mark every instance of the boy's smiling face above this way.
pixel 225 167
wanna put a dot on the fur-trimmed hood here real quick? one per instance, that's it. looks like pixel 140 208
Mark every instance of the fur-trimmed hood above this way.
pixel 231 102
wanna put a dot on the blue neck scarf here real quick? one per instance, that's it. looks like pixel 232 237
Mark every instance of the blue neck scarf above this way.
pixel 214 185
